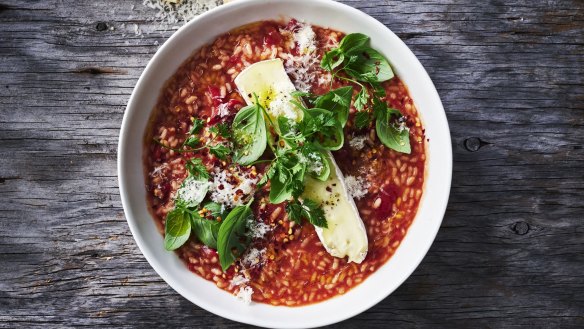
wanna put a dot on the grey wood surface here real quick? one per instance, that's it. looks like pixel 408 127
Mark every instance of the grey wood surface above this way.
pixel 510 252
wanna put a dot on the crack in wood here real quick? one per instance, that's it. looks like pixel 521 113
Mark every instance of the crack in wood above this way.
pixel 99 70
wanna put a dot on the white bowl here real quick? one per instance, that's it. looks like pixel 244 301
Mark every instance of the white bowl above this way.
pixel 205 294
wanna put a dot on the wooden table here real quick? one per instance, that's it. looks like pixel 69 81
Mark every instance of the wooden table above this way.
pixel 510 252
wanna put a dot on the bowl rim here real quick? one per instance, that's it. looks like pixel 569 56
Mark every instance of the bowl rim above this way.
pixel 124 137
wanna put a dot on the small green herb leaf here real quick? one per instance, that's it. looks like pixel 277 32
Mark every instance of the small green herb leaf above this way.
pixel 337 101
pixel 192 141
pixel 361 99
pixel 362 119
pixel 307 209
pixel 197 126
pixel 294 210
pixel 197 169
pixel 221 129
pixel 233 239
pixel 314 213
pixel 177 229
pixel 249 130
pixel 220 151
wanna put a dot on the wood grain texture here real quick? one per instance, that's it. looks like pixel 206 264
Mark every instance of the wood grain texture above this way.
pixel 510 252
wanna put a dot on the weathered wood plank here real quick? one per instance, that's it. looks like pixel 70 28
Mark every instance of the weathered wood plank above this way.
pixel 510 250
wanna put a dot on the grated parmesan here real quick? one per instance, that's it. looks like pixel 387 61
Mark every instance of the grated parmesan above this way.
pixel 244 294
pixel 305 39
pixel 281 104
pixel 253 257
pixel 159 171
pixel 302 67
pixel 356 186
pixel 358 142
pixel 225 187
pixel 223 110
pixel 238 280
pixel 193 191
pixel 315 164
pixel 259 229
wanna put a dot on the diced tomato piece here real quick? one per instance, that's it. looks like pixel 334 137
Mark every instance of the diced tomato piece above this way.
pixel 273 37
pixel 292 24
pixel 233 105
pixel 215 95
pixel 388 197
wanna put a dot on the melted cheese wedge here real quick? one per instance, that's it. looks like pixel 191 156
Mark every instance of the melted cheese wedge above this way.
pixel 270 83
pixel 345 235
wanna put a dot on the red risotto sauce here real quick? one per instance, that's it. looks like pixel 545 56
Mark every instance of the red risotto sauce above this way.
pixel 285 264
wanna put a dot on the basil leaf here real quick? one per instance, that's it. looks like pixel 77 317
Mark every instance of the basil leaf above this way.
pixel 332 59
pixel 249 130
pixel 337 101
pixel 392 136
pixel 279 191
pixel 232 239
pixel 216 209
pixel 192 191
pixel 177 229
pixel 362 119
pixel 205 230
pixel 318 165
pixel 368 61
pixel 353 40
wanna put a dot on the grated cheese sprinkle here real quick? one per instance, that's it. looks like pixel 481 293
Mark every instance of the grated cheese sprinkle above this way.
pixel 253 257
pixel 223 110
pixel 232 189
pixel 358 142
pixel 259 229
pixel 238 280
pixel 244 294
pixel 193 191
pixel 315 165
pixel 356 186
pixel 302 67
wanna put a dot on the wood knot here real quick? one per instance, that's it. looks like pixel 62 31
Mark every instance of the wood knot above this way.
pixel 473 144
pixel 520 228
pixel 101 26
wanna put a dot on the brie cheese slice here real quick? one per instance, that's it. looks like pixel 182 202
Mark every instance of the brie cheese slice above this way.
pixel 345 235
